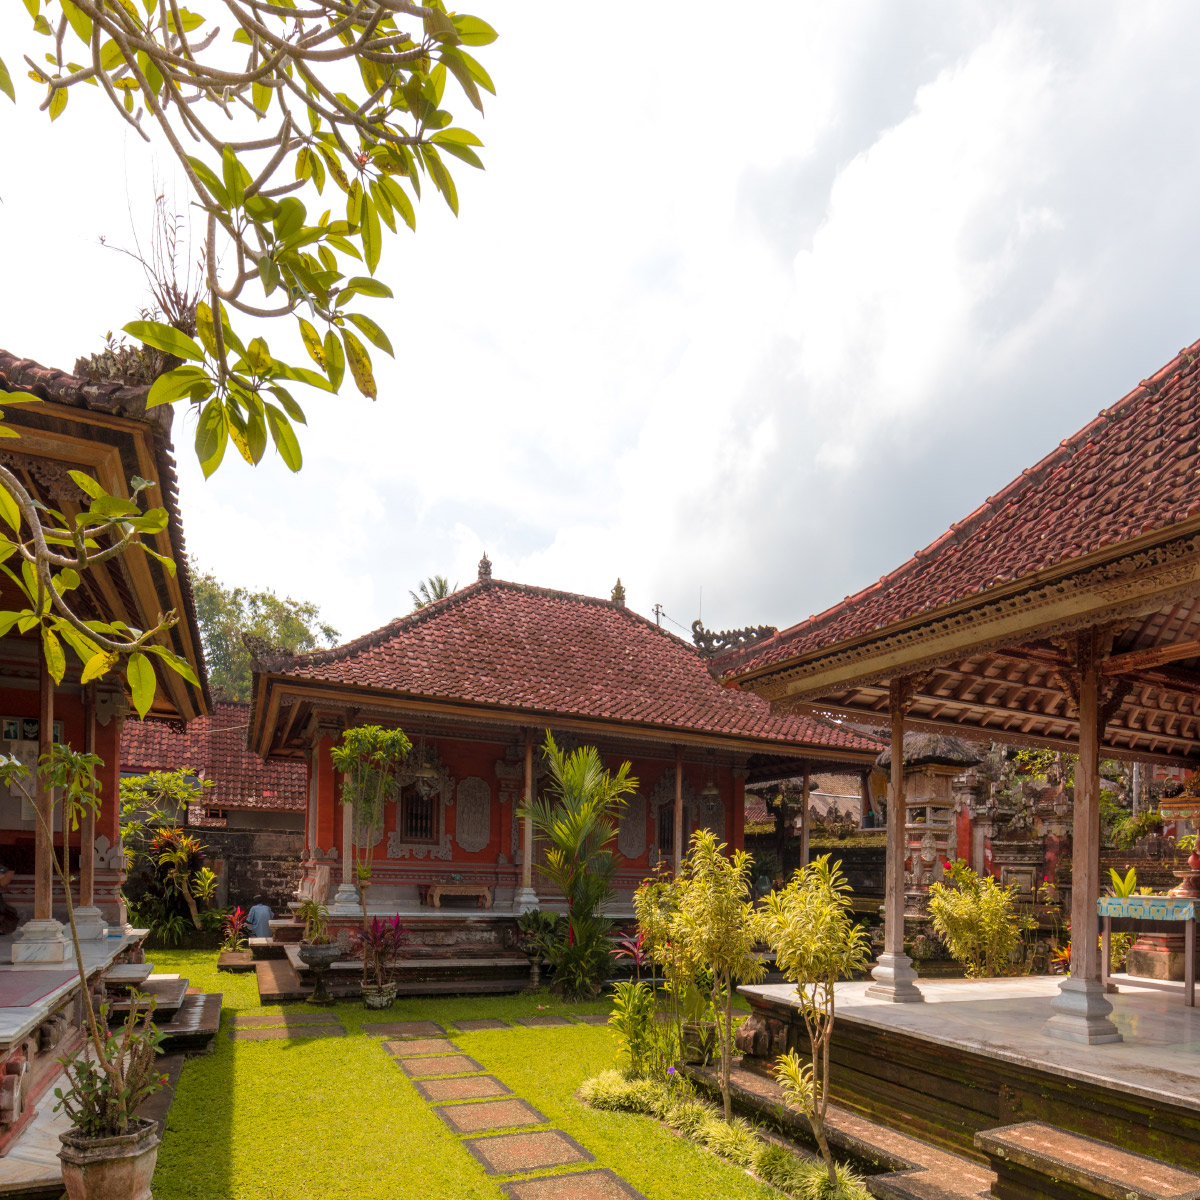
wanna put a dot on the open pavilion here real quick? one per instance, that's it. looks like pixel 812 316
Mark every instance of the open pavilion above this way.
pixel 1063 612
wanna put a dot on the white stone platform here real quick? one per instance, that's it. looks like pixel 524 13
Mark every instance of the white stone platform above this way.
pixel 1159 1058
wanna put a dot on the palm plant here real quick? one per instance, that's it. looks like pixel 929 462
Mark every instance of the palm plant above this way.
pixel 436 587
pixel 577 815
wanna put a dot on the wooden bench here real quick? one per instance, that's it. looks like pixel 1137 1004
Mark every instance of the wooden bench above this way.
pixel 1033 1160
pixel 483 895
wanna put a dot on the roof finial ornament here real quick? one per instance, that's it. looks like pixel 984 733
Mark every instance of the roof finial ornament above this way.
pixel 485 569
pixel 618 594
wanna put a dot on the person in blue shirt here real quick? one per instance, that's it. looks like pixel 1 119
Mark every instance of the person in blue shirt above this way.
pixel 258 919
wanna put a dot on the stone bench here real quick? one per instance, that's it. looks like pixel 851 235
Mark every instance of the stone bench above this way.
pixel 1033 1160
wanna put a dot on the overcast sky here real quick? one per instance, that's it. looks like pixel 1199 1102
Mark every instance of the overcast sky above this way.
pixel 751 301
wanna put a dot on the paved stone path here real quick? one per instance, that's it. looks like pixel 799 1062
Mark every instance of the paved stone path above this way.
pixel 274 1027
pixel 508 1135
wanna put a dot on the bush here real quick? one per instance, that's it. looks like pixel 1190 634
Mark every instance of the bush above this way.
pixel 735 1141
pixel 804 1178
pixel 974 916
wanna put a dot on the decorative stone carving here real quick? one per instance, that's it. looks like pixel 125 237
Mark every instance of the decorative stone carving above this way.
pixel 663 793
pixel 107 856
pixel 631 832
pixel 473 823
pixel 443 784
pixel 710 643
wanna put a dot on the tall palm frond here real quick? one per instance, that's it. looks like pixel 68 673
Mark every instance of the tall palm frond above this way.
pixel 436 587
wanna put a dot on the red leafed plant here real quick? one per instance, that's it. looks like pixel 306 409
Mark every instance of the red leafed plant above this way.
pixel 233 930
pixel 633 949
pixel 380 944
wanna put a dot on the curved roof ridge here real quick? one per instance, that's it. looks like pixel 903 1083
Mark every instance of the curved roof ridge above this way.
pixel 1058 459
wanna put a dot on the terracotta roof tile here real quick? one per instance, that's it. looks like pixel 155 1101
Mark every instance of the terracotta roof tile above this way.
pixel 551 652
pixel 1134 469
pixel 216 748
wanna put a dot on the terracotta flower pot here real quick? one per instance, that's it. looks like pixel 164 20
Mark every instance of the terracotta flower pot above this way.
pixel 112 1168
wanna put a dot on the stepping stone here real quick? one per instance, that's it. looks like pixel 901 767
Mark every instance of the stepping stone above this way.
pixel 541 1022
pixel 416 1047
pixel 278 1034
pixel 449 1064
pixel 403 1029
pixel 278 982
pixel 583 1185
pixel 235 960
pixel 291 1020
pixel 471 1024
pixel 465 1087
pixel 592 1018
pixel 493 1114
pixel 511 1153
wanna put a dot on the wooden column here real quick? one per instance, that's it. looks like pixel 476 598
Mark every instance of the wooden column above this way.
pixel 43 841
pixel 677 855
pixel 894 977
pixel 527 820
pixel 347 844
pixel 1081 1008
pixel 87 825
pixel 804 819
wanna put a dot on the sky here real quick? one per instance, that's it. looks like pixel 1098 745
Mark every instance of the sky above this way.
pixel 744 309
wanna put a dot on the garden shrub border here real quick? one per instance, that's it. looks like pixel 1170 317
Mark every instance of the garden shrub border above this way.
pixel 745 1144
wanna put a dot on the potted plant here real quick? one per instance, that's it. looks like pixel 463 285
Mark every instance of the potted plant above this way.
pixel 109 1153
pixel 317 949
pixel 380 945
pixel 538 933
pixel 368 758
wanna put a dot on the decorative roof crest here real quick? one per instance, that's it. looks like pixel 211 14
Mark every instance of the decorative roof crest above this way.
pixel 710 643
pixel 485 569
pixel 618 593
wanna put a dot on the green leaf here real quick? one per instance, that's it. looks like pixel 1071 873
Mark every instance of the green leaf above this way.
pixel 183 381
pixel 301 375
pixel 474 32
pixel 371 234
pixel 400 201
pixel 354 200
pixel 169 563
pixel 268 272
pixel 209 178
pixel 290 406
pixel 459 151
pixel 335 360
pixel 291 218
pixel 366 287
pixel 110 508
pixel 312 342
pixel 58 101
pixel 335 167
pixel 56 659
pixel 212 431
pixel 9 510
pixel 180 665
pixel 6 83
pixel 165 338
pixel 261 95
pixel 284 437
pixel 86 484
pixel 80 22
pixel 98 665
pixel 235 175
pixel 372 332
pixel 142 682
pixel 360 365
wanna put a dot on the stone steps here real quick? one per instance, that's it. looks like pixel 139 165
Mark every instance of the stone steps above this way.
pixel 911 1169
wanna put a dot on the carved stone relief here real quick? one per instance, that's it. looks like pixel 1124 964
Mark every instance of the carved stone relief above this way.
pixel 631 833
pixel 473 822
pixel 443 784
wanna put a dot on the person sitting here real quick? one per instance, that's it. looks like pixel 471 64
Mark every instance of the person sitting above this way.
pixel 258 919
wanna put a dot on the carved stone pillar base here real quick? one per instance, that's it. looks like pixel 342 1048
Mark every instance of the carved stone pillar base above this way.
pixel 895 980
pixel 40 941
pixel 346 902
pixel 1081 1014
pixel 524 900
pixel 90 923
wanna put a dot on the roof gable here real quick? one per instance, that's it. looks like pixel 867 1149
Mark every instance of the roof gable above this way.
pixel 554 653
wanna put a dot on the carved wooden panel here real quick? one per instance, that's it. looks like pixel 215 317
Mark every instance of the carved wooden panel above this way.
pixel 631 833
pixel 473 829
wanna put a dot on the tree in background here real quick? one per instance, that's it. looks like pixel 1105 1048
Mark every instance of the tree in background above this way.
pixel 436 587
pixel 225 614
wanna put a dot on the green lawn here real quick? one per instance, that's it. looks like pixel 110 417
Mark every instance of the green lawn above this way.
pixel 335 1118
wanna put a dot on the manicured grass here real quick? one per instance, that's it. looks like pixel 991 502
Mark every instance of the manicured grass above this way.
pixel 335 1118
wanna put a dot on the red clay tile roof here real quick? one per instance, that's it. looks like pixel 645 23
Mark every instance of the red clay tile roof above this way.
pixel 216 747
pixel 553 652
pixel 1134 470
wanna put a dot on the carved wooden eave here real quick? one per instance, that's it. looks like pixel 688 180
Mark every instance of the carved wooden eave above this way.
pixel 995 665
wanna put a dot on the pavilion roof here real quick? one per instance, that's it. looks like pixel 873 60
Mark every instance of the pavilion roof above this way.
pixel 215 748
pixel 105 429
pixel 1133 470
pixel 981 627
pixel 551 654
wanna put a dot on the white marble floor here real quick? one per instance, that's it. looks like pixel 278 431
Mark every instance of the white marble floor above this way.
pixel 1003 1018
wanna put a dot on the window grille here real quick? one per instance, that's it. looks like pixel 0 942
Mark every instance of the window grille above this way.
pixel 418 814
pixel 666 830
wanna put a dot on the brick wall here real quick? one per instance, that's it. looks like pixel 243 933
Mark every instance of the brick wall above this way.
pixel 253 863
